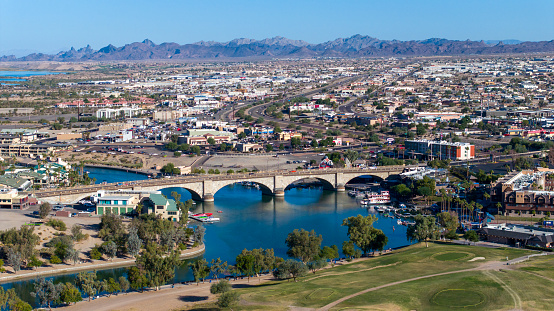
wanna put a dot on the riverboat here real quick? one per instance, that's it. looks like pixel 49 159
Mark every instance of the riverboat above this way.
pixel 378 198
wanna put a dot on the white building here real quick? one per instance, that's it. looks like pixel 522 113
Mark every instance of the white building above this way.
pixel 124 112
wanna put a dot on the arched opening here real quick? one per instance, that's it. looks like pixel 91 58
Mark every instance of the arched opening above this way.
pixel 310 182
pixel 248 186
pixel 185 193
pixel 365 181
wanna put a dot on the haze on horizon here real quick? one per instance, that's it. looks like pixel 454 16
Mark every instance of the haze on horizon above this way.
pixel 49 27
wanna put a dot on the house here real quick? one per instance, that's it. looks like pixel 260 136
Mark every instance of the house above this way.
pixel 161 206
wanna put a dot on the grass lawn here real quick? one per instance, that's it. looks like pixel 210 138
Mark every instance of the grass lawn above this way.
pixel 471 289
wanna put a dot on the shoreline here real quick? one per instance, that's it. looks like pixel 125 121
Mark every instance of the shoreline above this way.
pixel 64 270
pixel 124 169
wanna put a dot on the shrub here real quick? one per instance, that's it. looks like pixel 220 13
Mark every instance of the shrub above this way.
pixel 55 260
pixel 95 254
pixel 57 224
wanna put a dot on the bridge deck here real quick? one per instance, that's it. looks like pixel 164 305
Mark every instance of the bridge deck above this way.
pixel 196 178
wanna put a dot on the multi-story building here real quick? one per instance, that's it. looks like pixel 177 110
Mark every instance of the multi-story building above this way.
pixel 440 149
pixel 159 205
pixel 125 112
pixel 526 192
pixel 24 150
pixel 11 199
pixel 117 204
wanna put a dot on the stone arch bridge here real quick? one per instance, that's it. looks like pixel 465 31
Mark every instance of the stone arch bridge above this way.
pixel 204 187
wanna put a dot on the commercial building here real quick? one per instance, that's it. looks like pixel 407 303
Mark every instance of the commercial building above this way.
pixel 11 199
pixel 11 181
pixel 125 112
pixel 517 235
pixel 440 149
pixel 9 139
pixel 526 193
pixel 120 204
pixel 24 150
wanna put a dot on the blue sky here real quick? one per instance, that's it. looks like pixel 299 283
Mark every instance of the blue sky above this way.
pixel 51 25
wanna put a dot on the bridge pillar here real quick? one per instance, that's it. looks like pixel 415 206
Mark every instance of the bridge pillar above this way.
pixel 279 192
pixel 208 197
pixel 340 188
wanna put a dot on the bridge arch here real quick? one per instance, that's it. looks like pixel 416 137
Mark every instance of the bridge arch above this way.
pixel 327 181
pixel 195 194
pixel 266 187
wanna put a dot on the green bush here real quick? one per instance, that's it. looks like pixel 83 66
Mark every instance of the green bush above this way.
pixel 57 224
pixel 55 260
pixel 95 254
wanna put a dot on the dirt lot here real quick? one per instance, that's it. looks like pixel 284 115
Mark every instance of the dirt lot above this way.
pixel 149 161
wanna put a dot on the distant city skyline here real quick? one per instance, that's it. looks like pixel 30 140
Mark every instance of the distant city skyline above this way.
pixel 52 26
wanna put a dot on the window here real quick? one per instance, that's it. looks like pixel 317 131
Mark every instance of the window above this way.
pixel 115 202
pixel 172 213
pixel 159 206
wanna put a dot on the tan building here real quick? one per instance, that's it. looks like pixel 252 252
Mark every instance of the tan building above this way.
pixel 114 127
pixel 288 135
pixel 203 140
pixel 161 206
pixel 13 200
pixel 24 150
pixel 9 139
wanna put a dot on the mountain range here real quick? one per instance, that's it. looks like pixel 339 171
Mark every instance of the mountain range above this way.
pixel 279 47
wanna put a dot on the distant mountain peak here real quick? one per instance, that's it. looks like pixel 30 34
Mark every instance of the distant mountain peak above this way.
pixel 148 42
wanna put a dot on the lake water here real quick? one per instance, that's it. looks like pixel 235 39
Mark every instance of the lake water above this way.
pixel 250 220
pixel 21 74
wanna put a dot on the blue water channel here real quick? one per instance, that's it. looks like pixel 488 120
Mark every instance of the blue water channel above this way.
pixel 250 220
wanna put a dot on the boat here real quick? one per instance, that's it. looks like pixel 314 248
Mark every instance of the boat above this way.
pixel 378 198
pixel 399 222
pixel 204 217
pixel 220 211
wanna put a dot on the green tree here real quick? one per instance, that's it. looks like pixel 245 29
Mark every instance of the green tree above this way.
pixel 44 210
pixel 329 252
pixel 290 268
pixel 46 292
pixel 448 220
pixel 361 231
pixel 348 248
pixel 137 278
pixel 471 235
pixel 70 294
pixel 245 264
pixel 87 283
pixel 211 141
pixel 113 287
pixel 424 229
pixel 158 266
pixel 200 270
pixel 217 267
pixel 134 243
pixel 124 284
pixel 303 245
pixel 268 148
